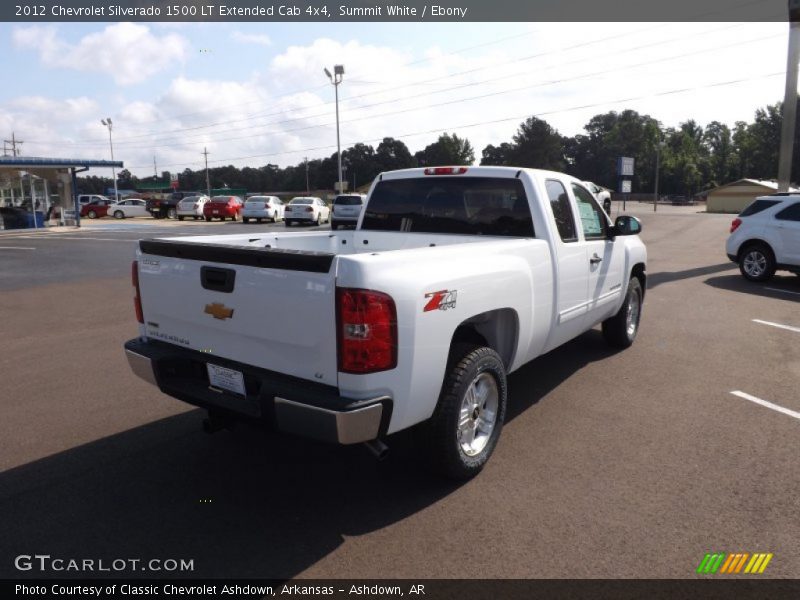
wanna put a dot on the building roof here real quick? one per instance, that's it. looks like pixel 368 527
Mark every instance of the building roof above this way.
pixel 767 184
pixel 21 162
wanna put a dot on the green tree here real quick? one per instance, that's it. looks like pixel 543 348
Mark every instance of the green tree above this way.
pixel 449 149
pixel 538 145
pixel 393 154
pixel 497 155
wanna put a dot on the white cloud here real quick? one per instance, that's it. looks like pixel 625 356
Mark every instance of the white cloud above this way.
pixel 259 39
pixel 128 52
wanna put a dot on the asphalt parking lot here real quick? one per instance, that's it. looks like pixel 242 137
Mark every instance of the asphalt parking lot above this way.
pixel 611 464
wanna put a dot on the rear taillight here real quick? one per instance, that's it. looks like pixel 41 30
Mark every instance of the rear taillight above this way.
pixel 309 209
pixel 195 206
pixel 445 170
pixel 735 224
pixel 137 299
pixel 266 205
pixel 367 331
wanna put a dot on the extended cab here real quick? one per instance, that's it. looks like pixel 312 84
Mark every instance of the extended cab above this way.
pixel 453 278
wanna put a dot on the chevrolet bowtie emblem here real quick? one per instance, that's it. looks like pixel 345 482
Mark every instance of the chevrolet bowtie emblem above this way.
pixel 218 311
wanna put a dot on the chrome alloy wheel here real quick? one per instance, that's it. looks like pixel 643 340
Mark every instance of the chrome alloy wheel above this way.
pixel 478 414
pixel 755 263
pixel 632 313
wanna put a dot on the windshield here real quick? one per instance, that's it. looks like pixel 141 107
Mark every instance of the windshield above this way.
pixel 471 205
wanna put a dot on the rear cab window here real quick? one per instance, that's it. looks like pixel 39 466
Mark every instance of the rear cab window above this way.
pixel 562 210
pixel 459 205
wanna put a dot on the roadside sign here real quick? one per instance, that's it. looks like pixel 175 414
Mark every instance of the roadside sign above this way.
pixel 625 166
pixel 625 186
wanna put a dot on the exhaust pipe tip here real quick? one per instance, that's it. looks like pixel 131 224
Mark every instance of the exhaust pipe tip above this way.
pixel 378 449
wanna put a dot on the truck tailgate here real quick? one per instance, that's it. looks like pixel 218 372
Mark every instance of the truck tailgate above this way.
pixel 270 308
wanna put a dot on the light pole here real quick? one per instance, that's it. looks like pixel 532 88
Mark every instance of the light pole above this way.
pixel 659 145
pixel 336 79
pixel 107 123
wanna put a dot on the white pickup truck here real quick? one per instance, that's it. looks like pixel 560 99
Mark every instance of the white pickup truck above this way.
pixel 453 278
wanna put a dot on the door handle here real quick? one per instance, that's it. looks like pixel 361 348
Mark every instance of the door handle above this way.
pixel 595 259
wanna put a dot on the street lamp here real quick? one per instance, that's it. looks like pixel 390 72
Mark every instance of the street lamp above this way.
pixel 659 146
pixel 336 79
pixel 107 123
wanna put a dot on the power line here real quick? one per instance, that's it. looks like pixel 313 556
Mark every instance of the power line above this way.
pixel 506 119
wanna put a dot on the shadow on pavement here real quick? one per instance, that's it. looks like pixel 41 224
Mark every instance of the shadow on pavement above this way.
pixel 783 286
pixel 240 504
pixel 656 279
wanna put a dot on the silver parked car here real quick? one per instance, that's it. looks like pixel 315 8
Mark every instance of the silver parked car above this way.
pixel 347 209
pixel 263 207
pixel 191 206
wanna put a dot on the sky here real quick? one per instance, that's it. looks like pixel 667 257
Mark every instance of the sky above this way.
pixel 256 93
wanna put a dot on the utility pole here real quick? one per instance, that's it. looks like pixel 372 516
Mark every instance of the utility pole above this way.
pixel 107 123
pixel 336 79
pixel 208 185
pixel 789 99
pixel 155 168
pixel 308 188
pixel 13 142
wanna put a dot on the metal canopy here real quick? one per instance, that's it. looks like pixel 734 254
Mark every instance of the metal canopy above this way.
pixel 22 162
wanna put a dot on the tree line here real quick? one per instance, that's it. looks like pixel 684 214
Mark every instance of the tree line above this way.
pixel 691 158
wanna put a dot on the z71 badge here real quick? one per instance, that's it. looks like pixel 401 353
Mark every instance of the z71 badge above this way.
pixel 441 300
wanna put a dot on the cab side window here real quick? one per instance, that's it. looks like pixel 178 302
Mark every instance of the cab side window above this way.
pixel 562 211
pixel 593 221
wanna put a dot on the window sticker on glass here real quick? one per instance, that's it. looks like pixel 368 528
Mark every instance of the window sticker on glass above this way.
pixel 589 219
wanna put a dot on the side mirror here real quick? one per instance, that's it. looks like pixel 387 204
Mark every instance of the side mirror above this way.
pixel 626 225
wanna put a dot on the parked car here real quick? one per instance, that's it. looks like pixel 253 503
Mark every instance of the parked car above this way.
pixel 765 237
pixel 13 217
pixel 191 206
pixel 453 278
pixel 96 208
pixel 135 207
pixel 165 208
pixel 263 207
pixel 600 193
pixel 222 207
pixel 346 209
pixel 84 199
pixel 306 209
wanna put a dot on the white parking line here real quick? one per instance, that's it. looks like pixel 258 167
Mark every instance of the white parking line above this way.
pixel 780 290
pixel 774 407
pixel 778 325
pixel 15 248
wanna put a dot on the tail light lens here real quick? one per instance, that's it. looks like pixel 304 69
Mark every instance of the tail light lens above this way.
pixel 309 209
pixel 735 224
pixel 367 331
pixel 195 206
pixel 137 299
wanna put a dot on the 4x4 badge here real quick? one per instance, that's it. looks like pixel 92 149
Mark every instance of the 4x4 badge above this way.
pixel 441 300
pixel 218 311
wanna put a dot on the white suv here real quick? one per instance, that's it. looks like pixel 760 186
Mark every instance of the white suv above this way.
pixel 766 237
pixel 347 209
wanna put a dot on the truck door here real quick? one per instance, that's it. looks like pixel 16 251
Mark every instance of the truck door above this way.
pixel 572 268
pixel 606 259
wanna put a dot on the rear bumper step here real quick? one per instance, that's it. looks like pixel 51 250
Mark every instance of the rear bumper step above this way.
pixel 286 403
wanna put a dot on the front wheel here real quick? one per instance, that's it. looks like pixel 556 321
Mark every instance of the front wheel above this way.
pixel 118 214
pixel 465 427
pixel 172 213
pixel 621 329
pixel 91 214
pixel 757 263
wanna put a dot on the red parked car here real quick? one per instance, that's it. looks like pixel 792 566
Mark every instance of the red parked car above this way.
pixel 96 209
pixel 223 207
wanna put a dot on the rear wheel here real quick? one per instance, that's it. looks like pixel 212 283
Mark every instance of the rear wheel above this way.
pixel 118 214
pixel 756 262
pixel 244 220
pixel 621 329
pixel 465 427
pixel 180 217
pixel 172 213
pixel 91 214
pixel 208 219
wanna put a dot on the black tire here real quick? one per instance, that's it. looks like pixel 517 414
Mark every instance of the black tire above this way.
pixel 233 218
pixel 91 214
pixel 172 213
pixel 118 214
pixel 180 217
pixel 208 219
pixel 620 330
pixel 468 365
pixel 334 226
pixel 245 219
pixel 195 217
pixel 288 223
pixel 757 262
